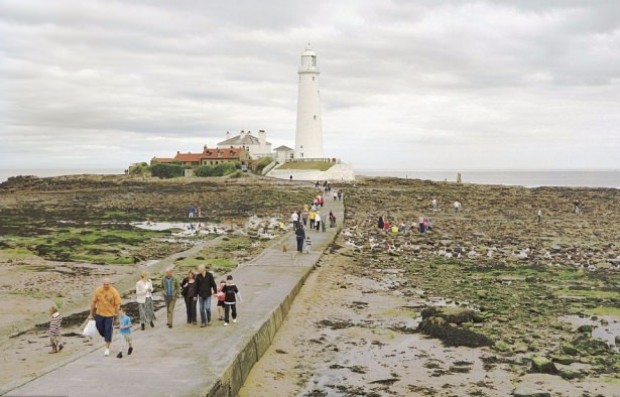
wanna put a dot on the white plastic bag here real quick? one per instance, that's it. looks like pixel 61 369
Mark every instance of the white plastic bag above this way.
pixel 90 329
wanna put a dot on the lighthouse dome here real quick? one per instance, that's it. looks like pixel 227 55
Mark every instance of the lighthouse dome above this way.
pixel 308 51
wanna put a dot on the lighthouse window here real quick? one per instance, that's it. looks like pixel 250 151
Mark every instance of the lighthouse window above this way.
pixel 313 61
pixel 312 78
pixel 314 117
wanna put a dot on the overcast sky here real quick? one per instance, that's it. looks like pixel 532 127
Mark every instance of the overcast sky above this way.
pixel 417 85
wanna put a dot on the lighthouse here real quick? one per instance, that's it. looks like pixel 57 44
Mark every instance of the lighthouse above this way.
pixel 309 132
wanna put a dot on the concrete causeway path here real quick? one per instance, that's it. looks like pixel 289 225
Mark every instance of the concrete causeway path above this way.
pixel 188 360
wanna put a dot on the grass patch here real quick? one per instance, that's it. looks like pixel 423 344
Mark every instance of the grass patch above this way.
pixel 604 311
pixel 587 293
pixel 571 275
pixel 189 263
pixel 235 243
pixel 306 165
pixel 16 253
pixel 113 244
pixel 218 265
pixel 399 313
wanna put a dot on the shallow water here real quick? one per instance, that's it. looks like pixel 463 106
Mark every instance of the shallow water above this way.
pixel 607 332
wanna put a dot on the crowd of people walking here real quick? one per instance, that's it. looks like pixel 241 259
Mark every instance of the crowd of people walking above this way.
pixel 197 289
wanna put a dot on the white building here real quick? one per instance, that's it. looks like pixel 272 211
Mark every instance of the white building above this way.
pixel 283 154
pixel 256 145
pixel 309 132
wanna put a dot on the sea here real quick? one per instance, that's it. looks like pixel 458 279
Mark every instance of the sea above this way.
pixel 42 173
pixel 572 178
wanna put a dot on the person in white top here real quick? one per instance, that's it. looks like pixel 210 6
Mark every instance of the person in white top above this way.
pixel 144 297
pixel 295 219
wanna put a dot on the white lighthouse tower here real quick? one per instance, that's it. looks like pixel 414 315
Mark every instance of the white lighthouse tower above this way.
pixel 309 132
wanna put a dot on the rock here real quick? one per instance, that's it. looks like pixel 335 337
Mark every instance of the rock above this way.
pixel 543 365
pixel 568 374
pixel 522 391
pixel 617 339
pixel 520 348
pixel 569 349
pixel 482 294
pixel 586 329
pixel 452 315
pixel 563 359
pixel 592 346
pixel 603 265
pixel 501 346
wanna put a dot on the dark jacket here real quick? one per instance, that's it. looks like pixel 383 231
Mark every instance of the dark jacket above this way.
pixel 300 233
pixel 230 293
pixel 205 284
pixel 189 289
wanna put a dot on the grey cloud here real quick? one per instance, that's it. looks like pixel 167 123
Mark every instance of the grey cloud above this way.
pixel 176 75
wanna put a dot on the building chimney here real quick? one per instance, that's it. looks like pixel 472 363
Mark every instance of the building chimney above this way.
pixel 227 134
pixel 262 140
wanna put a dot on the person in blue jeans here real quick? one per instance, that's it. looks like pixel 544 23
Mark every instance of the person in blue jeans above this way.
pixel 205 287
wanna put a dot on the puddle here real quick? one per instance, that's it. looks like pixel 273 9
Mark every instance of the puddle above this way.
pixel 606 332
pixel 186 228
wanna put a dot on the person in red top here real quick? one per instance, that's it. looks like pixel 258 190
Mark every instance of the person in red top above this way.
pixel 220 300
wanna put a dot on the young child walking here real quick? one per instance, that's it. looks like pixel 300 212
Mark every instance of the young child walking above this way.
pixel 54 330
pixel 220 300
pixel 124 332
pixel 231 293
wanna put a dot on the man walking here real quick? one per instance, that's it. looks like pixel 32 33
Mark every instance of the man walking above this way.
pixel 104 307
pixel 300 235
pixel 170 290
pixel 205 284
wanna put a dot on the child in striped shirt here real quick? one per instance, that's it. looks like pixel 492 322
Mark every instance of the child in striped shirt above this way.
pixel 54 330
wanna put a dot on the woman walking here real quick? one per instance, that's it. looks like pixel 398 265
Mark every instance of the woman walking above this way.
pixel 144 297
pixel 190 294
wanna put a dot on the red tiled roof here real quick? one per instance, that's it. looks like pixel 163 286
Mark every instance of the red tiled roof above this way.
pixel 206 154
pixel 212 154
pixel 184 157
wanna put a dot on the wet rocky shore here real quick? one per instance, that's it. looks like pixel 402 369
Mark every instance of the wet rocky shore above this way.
pixel 492 301
pixel 532 299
